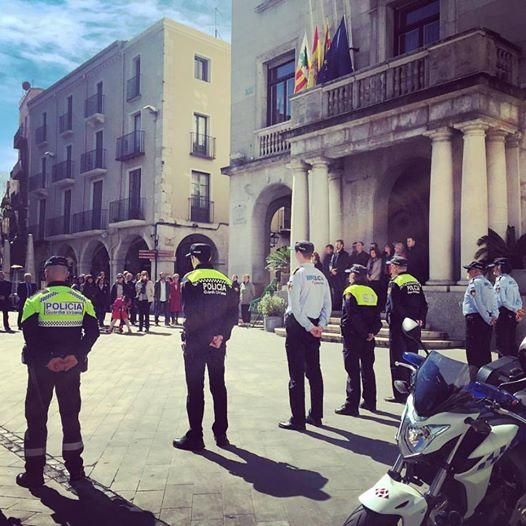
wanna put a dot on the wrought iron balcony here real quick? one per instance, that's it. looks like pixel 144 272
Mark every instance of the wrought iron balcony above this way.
pixel 202 145
pixel 133 88
pixel 94 105
pixel 126 210
pixel 130 145
pixel 90 220
pixel 18 170
pixel 200 209
pixel 37 182
pixel 20 139
pixel 41 135
pixel 65 123
pixel 93 162
pixel 58 226
pixel 63 172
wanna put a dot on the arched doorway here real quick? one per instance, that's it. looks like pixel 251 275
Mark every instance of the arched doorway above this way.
pixel 100 261
pixel 183 265
pixel 132 263
pixel 68 252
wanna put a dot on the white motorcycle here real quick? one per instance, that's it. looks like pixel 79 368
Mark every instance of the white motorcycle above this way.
pixel 462 447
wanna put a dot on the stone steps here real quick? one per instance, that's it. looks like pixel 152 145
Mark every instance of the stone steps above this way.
pixel 384 331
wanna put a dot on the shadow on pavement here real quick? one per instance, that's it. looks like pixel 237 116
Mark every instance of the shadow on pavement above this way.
pixel 383 421
pixel 379 450
pixel 11 521
pixel 277 479
pixel 92 508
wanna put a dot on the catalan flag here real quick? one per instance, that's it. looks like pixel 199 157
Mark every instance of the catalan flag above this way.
pixel 315 59
pixel 302 70
pixel 326 44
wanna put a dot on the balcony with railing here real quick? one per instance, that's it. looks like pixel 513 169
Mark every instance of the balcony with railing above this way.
pixel 63 173
pixel 127 210
pixel 130 145
pixel 93 163
pixel 37 183
pixel 19 139
pixel 200 209
pixel 41 135
pixel 58 226
pixel 89 220
pixel 272 140
pixel 133 88
pixel 94 109
pixel 65 124
pixel 202 146
pixel 457 61
pixel 18 170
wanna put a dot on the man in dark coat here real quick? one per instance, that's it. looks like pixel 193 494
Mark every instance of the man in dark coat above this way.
pixel 5 294
pixel 416 260
pixel 339 264
pixel 24 290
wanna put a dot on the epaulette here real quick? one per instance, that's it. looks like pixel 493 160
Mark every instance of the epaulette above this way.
pixel 297 268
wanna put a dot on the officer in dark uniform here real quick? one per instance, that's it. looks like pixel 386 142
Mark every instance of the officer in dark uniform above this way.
pixel 308 313
pixel 405 299
pixel 210 305
pixel 60 328
pixel 360 323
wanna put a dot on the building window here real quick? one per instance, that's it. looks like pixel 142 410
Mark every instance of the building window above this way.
pixel 200 205
pixel 134 192
pixel 417 26
pixel 202 68
pixel 67 212
pixel 279 90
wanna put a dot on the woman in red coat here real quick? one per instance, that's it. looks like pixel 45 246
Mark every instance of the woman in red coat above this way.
pixel 175 299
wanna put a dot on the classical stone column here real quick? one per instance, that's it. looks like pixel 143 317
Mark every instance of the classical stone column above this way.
pixel 300 201
pixel 514 183
pixel 319 203
pixel 497 182
pixel 441 209
pixel 474 197
pixel 335 204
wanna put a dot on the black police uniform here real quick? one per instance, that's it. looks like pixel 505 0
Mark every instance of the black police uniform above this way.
pixel 57 322
pixel 360 317
pixel 210 305
pixel 405 299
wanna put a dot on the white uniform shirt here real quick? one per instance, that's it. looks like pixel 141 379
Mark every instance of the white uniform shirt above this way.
pixel 508 294
pixel 309 296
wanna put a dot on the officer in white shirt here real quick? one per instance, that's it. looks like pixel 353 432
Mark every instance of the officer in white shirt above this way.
pixel 308 313
pixel 509 303
pixel 481 313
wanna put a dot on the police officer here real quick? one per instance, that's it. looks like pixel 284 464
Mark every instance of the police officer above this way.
pixel 210 305
pixel 509 303
pixel 360 323
pixel 481 313
pixel 308 313
pixel 60 328
pixel 405 299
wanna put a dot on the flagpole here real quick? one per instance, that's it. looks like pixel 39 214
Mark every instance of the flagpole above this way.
pixel 311 19
pixel 348 21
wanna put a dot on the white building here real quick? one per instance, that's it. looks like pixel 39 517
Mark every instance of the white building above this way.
pixel 423 139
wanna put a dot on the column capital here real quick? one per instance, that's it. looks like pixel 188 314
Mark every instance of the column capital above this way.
pixel 514 140
pixel 475 127
pixel 298 165
pixel 497 135
pixel 320 161
pixel 439 134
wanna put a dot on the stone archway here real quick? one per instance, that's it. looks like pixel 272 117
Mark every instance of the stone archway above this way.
pixel 183 264
pixel 100 261
pixel 69 253
pixel 132 263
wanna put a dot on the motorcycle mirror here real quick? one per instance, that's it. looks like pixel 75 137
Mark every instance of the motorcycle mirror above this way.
pixel 401 386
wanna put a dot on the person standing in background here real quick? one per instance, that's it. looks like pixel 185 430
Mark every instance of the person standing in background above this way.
pixel 175 299
pixel 339 264
pixel 326 261
pixel 102 298
pixel 360 257
pixel 5 296
pixel 417 265
pixel 374 272
pixel 247 294
pixel 24 290
pixel 317 261
pixel 162 299
pixel 129 291
pixel 145 293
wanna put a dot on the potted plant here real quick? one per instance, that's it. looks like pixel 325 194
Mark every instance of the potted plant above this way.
pixel 272 308
pixel 279 263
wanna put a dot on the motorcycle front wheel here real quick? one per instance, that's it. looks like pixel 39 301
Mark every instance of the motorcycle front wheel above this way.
pixel 361 516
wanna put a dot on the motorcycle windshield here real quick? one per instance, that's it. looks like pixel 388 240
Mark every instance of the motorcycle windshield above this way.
pixel 440 385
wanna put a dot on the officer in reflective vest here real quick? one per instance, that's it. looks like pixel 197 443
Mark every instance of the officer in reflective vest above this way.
pixel 60 328
pixel 509 303
pixel 405 299
pixel 359 324
pixel 210 305
pixel 308 313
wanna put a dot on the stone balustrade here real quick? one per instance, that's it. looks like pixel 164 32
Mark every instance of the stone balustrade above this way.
pixel 272 141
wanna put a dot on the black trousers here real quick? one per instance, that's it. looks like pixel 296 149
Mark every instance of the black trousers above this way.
pixel 161 308
pixel 41 384
pixel 358 358
pixel 100 312
pixel 245 313
pixel 478 340
pixel 144 314
pixel 303 357
pixel 5 315
pixel 197 358
pixel 399 343
pixel 506 332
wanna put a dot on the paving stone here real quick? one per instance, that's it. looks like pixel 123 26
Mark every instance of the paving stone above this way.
pixel 177 516
pixel 207 507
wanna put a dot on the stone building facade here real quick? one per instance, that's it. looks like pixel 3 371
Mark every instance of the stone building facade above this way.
pixel 125 154
pixel 425 138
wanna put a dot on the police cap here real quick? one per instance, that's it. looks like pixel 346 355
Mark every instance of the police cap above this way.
pixel 357 269
pixel 499 261
pixel 305 247
pixel 54 261
pixel 475 265
pixel 202 251
pixel 399 261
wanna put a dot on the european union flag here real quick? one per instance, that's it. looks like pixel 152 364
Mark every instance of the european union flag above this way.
pixel 338 59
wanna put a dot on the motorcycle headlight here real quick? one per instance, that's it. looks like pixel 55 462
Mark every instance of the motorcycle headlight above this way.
pixel 419 437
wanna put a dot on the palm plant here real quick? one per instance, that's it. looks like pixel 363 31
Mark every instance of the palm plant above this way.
pixel 279 260
pixel 492 246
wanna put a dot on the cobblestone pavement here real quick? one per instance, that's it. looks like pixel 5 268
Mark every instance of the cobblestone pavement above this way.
pixel 133 407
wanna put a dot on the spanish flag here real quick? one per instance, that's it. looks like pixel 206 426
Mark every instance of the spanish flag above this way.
pixel 302 70
pixel 326 44
pixel 315 60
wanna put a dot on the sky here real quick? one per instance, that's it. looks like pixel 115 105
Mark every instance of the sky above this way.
pixel 43 40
